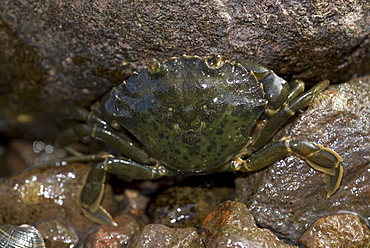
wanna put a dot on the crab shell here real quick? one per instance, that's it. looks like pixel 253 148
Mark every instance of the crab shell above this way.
pixel 191 115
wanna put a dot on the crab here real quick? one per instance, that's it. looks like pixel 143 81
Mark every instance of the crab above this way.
pixel 195 115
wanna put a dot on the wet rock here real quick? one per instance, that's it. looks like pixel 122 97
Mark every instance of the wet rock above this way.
pixel 290 196
pixel 57 233
pixel 343 230
pixel 114 236
pixel 76 51
pixel 231 225
pixel 187 206
pixel 157 235
pixel 47 192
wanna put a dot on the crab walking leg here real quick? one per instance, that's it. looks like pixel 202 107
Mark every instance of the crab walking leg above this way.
pixel 318 157
pixel 91 194
pixel 118 140
pixel 297 88
pixel 98 128
pixel 286 111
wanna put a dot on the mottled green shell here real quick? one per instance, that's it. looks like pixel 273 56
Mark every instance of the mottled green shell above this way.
pixel 188 114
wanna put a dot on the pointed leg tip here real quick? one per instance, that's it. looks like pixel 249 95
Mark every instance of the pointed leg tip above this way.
pixel 100 216
pixel 333 182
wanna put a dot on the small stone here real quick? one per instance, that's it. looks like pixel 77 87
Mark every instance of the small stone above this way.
pixel 158 236
pixel 231 225
pixel 342 230
pixel 114 236
pixel 58 233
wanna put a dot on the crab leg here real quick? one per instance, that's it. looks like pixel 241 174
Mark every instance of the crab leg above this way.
pixel 318 157
pixel 98 128
pixel 286 111
pixel 91 194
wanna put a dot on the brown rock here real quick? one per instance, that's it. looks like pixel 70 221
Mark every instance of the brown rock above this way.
pixel 157 235
pixel 114 236
pixel 78 50
pixel 48 192
pixel 289 196
pixel 341 231
pixel 231 225
pixel 57 233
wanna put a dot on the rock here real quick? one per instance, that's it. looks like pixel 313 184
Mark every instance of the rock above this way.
pixel 289 196
pixel 342 231
pixel 114 236
pixel 187 206
pixel 76 51
pixel 57 233
pixel 157 235
pixel 47 192
pixel 231 225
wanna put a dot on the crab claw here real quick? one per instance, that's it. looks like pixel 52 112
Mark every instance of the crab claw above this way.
pixel 321 159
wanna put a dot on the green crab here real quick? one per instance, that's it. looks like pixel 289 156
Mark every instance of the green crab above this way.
pixel 195 115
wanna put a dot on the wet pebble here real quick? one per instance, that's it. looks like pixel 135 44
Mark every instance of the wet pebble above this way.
pixel 231 225
pixel 158 236
pixel 341 231
pixel 114 236
pixel 57 233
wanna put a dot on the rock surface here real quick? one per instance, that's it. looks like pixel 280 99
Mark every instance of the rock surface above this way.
pixel 57 233
pixel 343 230
pixel 157 235
pixel 49 192
pixel 114 236
pixel 231 225
pixel 289 196
pixel 77 50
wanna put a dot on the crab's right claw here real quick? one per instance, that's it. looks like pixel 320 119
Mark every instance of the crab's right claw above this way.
pixel 321 159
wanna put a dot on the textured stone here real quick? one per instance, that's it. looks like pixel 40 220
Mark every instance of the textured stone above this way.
pixel 231 225
pixel 157 236
pixel 341 231
pixel 289 196
pixel 57 233
pixel 77 50
pixel 114 236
